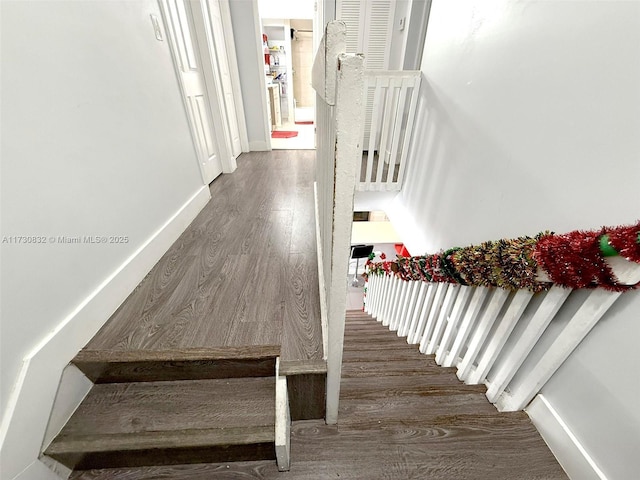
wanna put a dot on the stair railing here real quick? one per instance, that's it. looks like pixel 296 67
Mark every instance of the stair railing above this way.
pixel 512 341
pixel 390 104
pixel 338 81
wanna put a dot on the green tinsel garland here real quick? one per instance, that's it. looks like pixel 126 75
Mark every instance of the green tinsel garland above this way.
pixel 506 263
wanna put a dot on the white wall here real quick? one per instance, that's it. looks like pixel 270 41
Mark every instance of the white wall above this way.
pixel 528 120
pixel 398 37
pixel 416 31
pixel 529 113
pixel 95 142
pixel 286 8
pixel 597 390
pixel 247 34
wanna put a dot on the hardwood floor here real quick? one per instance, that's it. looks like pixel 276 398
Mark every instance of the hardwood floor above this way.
pixel 164 423
pixel 243 273
pixel 401 417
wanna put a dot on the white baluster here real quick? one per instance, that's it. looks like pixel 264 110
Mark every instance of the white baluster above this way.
pixel 433 314
pixel 373 294
pixel 391 301
pixel 397 130
pixel 459 308
pixel 445 311
pixel 465 326
pixel 416 335
pixel 408 130
pixel 386 293
pixel 367 299
pixel 592 310
pixel 404 325
pixel 552 302
pixel 387 120
pixel 500 336
pixel 489 316
pixel 376 116
pixel 411 328
pixel 399 306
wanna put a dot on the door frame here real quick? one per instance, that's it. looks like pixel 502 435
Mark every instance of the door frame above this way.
pixel 225 12
pixel 199 12
pixel 257 36
pixel 226 159
pixel 168 35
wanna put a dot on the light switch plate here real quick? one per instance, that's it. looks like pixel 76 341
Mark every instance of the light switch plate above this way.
pixel 156 27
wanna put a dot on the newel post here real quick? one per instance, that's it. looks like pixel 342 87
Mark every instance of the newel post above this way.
pixel 348 154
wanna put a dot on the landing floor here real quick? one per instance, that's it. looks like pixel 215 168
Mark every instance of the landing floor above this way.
pixel 243 273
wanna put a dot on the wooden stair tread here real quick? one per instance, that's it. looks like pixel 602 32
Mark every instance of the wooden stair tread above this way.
pixel 162 406
pixel 159 423
pixel 110 366
pixel 201 437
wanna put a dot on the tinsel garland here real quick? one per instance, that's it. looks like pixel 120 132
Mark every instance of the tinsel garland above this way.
pixel 626 241
pixel 574 260
pixel 506 263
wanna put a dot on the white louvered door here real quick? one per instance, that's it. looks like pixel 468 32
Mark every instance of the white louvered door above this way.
pixel 369 30
pixel 352 12
pixel 377 31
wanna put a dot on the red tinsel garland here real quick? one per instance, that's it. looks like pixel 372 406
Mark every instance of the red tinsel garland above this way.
pixel 574 260
pixel 626 241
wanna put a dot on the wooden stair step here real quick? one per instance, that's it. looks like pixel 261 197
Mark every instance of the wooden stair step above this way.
pixel 377 368
pixel 165 448
pixel 114 366
pixel 375 343
pixel 374 330
pixel 173 422
pixel 402 352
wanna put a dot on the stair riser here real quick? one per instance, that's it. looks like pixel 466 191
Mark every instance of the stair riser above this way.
pixel 153 371
pixel 171 456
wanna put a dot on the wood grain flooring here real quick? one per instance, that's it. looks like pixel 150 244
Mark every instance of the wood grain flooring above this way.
pixel 243 273
pixel 401 417
pixel 161 423
pixel 114 366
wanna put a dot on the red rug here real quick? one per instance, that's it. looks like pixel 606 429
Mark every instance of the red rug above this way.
pixel 306 122
pixel 283 134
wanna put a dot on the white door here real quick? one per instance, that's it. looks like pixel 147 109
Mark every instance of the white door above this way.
pixel 369 31
pixel 220 48
pixel 180 30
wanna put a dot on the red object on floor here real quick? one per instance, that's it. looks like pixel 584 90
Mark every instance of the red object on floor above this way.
pixel 306 122
pixel 402 250
pixel 283 134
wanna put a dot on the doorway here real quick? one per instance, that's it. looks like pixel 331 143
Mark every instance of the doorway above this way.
pixel 302 60
pixel 288 46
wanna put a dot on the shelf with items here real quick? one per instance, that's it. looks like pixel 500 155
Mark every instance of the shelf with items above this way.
pixel 277 45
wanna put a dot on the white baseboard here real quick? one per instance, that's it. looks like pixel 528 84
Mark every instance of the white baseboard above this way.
pixel 571 455
pixel 72 389
pixel 32 398
pixel 38 471
pixel 260 146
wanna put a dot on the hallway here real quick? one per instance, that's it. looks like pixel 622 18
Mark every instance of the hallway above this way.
pixel 244 273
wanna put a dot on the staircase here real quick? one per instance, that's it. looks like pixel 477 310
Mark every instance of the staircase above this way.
pixel 404 406
pixel 177 407
pixel 401 416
